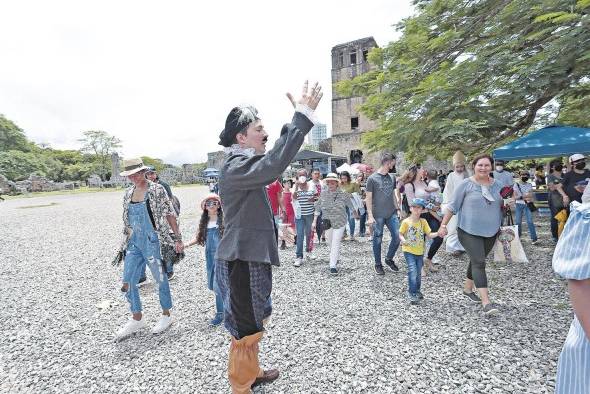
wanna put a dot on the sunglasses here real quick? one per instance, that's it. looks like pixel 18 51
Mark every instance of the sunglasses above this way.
pixel 211 203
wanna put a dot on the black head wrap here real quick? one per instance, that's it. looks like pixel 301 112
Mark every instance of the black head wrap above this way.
pixel 238 120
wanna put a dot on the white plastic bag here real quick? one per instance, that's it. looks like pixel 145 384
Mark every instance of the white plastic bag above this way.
pixel 508 247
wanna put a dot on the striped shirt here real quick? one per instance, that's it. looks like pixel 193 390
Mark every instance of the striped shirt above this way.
pixel 571 260
pixel 305 199
pixel 333 205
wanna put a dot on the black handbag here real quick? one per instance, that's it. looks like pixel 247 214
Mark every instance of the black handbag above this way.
pixel 326 224
pixel 532 206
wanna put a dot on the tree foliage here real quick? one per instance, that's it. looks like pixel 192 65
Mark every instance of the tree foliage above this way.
pixel 12 137
pixel 102 145
pixel 473 74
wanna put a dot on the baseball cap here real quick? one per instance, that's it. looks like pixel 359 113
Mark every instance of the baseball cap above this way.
pixel 418 202
pixel 576 157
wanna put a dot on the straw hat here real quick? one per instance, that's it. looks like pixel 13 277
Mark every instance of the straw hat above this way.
pixel 210 196
pixel 132 166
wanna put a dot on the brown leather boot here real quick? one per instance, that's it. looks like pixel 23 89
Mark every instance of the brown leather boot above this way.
pixel 267 377
pixel 243 367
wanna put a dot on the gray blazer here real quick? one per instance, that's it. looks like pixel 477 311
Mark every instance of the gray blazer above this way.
pixel 249 233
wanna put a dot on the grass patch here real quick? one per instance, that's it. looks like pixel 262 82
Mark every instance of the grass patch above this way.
pixel 38 206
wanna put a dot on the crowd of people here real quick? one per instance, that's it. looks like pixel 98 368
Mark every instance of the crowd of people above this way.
pixel 258 210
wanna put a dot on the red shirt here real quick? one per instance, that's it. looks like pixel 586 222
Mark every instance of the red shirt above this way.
pixel 273 190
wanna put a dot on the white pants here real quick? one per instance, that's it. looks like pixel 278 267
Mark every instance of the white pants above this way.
pixel 334 238
pixel 452 239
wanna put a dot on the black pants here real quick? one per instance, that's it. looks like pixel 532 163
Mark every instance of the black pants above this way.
pixel 554 210
pixel 245 287
pixel 318 226
pixel 434 226
pixel 477 249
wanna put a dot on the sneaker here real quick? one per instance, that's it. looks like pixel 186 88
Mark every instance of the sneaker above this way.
pixel 170 275
pixel 131 327
pixel 162 325
pixel 420 295
pixel 472 296
pixel 310 256
pixel 217 320
pixel 323 239
pixel 536 241
pixel 142 281
pixel 414 300
pixel 491 309
pixel 352 238
pixel 333 271
pixel 379 270
pixel 298 261
pixel 391 264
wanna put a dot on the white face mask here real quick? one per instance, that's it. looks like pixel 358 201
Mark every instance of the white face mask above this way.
pixel 302 179
pixel 499 168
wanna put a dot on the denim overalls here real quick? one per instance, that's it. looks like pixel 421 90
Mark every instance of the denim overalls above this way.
pixel 210 250
pixel 144 247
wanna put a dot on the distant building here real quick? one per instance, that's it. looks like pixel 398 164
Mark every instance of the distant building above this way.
pixel 215 159
pixel 348 124
pixel 318 133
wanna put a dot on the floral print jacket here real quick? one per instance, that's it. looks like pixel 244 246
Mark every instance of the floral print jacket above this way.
pixel 161 207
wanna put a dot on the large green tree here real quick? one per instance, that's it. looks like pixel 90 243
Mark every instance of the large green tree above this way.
pixel 12 137
pixel 474 74
pixel 102 145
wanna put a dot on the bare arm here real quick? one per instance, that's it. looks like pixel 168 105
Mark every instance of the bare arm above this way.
pixel 369 202
pixel 580 297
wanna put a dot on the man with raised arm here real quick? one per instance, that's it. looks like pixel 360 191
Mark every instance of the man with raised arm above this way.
pixel 248 249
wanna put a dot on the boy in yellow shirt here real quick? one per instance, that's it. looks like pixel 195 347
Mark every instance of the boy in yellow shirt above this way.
pixel 412 233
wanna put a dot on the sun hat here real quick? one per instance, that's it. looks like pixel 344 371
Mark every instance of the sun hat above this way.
pixel 132 166
pixel 331 177
pixel 418 202
pixel 576 157
pixel 210 196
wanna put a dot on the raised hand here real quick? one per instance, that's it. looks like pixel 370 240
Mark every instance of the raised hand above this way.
pixel 310 98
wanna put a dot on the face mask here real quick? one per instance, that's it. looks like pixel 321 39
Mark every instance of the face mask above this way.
pixel 302 179
pixel 499 168
pixel 580 166
pixel 558 168
pixel 524 178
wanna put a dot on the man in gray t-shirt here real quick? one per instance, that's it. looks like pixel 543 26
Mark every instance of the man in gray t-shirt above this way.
pixel 382 210
pixel 503 177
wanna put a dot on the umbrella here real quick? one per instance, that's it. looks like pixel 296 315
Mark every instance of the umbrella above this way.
pixel 363 167
pixel 346 167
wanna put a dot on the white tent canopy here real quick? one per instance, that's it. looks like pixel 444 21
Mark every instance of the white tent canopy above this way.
pixel 346 167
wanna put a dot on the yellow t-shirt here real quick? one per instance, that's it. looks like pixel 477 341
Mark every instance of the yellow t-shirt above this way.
pixel 414 234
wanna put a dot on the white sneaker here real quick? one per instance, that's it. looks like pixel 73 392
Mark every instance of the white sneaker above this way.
pixel 311 256
pixel 131 327
pixel 298 261
pixel 162 325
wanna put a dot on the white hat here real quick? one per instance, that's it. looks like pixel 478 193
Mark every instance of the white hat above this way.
pixel 576 157
pixel 132 166
pixel 331 177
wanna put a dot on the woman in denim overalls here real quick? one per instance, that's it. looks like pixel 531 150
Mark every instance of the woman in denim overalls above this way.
pixel 208 235
pixel 148 215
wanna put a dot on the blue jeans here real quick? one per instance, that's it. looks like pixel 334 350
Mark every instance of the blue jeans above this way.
pixel 144 248
pixel 392 224
pixel 414 263
pixel 303 227
pixel 211 244
pixel 520 209
pixel 351 221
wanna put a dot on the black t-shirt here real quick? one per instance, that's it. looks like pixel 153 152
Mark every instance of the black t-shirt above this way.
pixel 569 182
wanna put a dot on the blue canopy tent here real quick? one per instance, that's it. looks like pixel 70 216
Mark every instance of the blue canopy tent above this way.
pixel 551 141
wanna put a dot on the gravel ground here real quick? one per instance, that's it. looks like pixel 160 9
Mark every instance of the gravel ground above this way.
pixel 354 332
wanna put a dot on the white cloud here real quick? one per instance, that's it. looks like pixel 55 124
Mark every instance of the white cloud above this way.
pixel 163 77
